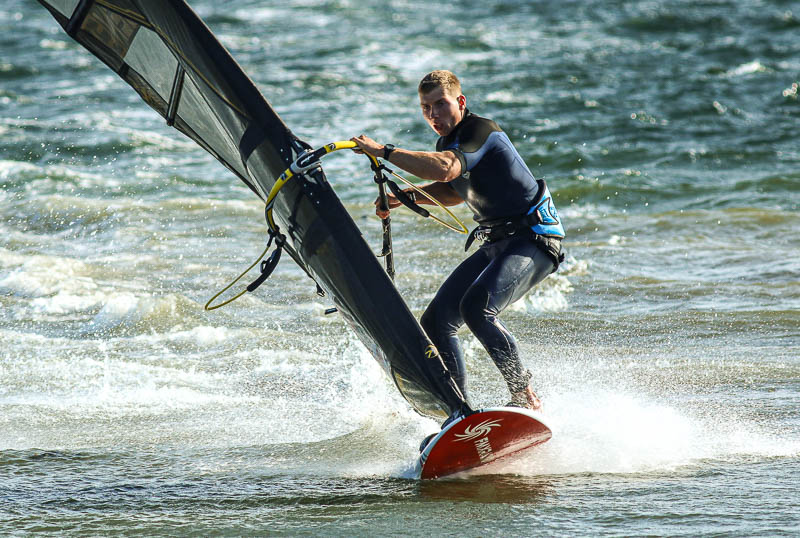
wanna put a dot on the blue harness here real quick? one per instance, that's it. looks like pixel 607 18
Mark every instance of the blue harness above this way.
pixel 547 222
pixel 541 222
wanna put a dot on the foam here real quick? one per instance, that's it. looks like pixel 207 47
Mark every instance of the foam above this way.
pixel 82 389
pixel 748 69
pixel 515 98
pixel 10 258
pixel 258 15
pixel 42 276
pixel 11 169
pixel 76 394
pixel 123 312
pixel 334 392
pixel 203 335
pixel 91 389
pixel 598 430
pixel 549 296
pixel 67 303
pixel 53 44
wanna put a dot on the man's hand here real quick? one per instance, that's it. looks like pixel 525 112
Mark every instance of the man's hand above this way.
pixel 367 145
pixel 391 200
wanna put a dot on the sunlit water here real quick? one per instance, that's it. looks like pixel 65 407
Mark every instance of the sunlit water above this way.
pixel 666 348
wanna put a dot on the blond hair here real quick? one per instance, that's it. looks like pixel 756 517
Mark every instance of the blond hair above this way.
pixel 441 78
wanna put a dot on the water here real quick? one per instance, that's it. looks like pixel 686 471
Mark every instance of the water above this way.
pixel 666 349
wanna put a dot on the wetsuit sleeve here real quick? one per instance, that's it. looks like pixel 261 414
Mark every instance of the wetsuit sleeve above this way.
pixel 441 147
pixel 474 141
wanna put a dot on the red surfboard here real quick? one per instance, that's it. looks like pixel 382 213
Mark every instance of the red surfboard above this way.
pixel 481 438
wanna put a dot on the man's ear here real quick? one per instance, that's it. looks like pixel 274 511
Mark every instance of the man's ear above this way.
pixel 462 102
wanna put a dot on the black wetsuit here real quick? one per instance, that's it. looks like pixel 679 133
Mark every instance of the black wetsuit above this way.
pixel 495 184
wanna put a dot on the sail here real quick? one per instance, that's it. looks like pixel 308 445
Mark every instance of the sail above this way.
pixel 165 52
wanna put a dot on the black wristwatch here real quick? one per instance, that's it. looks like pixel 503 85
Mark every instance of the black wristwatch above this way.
pixel 387 150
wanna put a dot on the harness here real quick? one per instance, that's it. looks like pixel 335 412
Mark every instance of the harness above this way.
pixel 540 224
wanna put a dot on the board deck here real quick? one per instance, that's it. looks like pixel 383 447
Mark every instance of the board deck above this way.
pixel 481 438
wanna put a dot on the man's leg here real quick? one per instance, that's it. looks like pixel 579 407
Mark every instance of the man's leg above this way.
pixel 517 265
pixel 442 319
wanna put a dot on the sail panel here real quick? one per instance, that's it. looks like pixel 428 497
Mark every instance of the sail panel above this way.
pixel 65 7
pixel 154 45
pixel 201 110
pixel 145 46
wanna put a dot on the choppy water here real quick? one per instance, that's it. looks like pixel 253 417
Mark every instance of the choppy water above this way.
pixel 666 349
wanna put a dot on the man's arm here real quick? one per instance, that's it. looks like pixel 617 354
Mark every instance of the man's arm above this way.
pixel 444 193
pixel 433 165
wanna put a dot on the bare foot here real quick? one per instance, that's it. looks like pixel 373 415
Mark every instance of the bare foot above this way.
pixel 526 399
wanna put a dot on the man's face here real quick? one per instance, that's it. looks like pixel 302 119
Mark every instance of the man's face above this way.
pixel 441 110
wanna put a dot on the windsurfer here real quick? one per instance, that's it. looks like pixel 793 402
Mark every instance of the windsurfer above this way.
pixel 476 163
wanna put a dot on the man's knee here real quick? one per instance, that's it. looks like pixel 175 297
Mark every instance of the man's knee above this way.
pixel 428 321
pixel 440 319
pixel 474 306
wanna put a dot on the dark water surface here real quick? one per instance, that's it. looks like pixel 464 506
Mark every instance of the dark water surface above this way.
pixel 666 348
